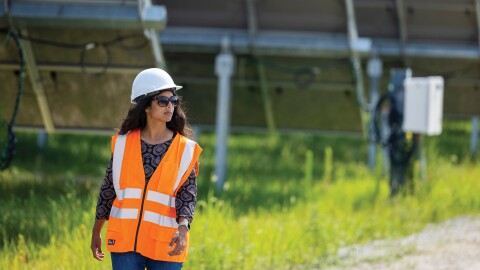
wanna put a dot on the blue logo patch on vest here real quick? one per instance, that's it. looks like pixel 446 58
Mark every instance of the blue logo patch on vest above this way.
pixel 111 242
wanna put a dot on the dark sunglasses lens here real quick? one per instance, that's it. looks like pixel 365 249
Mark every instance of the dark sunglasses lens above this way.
pixel 174 101
pixel 163 101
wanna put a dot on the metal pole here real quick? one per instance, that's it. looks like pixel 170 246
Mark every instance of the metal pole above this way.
pixel 385 151
pixel 37 85
pixel 354 54
pixel 42 138
pixel 152 35
pixel 267 101
pixel 374 70
pixel 224 68
pixel 477 12
pixel 252 33
pixel 422 157
pixel 474 137
pixel 402 25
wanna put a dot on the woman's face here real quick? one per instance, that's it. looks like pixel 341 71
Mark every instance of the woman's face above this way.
pixel 162 107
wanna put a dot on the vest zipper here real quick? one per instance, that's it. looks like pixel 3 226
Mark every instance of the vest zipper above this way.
pixel 140 218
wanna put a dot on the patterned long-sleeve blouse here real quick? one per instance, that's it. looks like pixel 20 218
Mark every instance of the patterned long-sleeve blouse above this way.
pixel 152 154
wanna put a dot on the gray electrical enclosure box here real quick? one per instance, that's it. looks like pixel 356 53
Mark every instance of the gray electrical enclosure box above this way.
pixel 423 105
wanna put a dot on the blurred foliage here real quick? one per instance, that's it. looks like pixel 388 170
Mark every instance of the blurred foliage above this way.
pixel 290 201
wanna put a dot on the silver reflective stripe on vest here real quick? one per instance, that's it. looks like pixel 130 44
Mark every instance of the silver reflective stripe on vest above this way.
pixel 187 157
pixel 124 213
pixel 160 198
pixel 117 163
pixel 128 193
pixel 160 219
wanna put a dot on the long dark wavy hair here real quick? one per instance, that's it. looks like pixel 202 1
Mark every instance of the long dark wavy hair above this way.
pixel 137 118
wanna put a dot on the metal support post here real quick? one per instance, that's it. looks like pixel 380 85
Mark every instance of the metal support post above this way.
pixel 152 35
pixel 224 68
pixel 402 25
pixel 252 33
pixel 385 131
pixel 157 50
pixel 37 84
pixel 474 137
pixel 374 70
pixel 267 102
pixel 42 138
pixel 477 12
pixel 353 43
pixel 422 156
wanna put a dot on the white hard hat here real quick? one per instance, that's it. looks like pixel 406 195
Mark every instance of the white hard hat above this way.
pixel 150 81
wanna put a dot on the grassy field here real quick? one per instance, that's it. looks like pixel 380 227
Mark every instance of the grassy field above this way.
pixel 289 203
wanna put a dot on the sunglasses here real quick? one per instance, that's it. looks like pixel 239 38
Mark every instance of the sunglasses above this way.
pixel 163 101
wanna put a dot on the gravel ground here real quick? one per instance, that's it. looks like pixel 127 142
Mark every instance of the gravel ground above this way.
pixel 452 245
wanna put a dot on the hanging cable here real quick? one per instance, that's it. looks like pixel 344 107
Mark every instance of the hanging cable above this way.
pixel 7 146
pixel 8 149
pixel 125 42
pixel 302 76
pixel 108 61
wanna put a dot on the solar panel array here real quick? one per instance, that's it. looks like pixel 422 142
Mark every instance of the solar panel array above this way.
pixel 86 69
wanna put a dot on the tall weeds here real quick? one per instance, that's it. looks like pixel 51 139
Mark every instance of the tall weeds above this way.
pixel 289 202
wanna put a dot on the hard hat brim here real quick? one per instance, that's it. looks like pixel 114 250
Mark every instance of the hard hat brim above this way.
pixel 155 92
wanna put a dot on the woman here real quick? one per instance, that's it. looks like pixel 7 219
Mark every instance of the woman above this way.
pixel 149 192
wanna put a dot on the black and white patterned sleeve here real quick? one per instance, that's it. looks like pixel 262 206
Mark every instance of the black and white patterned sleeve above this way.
pixel 106 196
pixel 186 199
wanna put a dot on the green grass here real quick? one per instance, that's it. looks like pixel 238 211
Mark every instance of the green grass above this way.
pixel 290 200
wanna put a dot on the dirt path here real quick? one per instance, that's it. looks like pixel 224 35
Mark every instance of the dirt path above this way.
pixel 452 245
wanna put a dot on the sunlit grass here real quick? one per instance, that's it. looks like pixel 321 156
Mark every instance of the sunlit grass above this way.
pixel 279 210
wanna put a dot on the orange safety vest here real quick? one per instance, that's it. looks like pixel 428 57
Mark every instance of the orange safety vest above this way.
pixel 143 216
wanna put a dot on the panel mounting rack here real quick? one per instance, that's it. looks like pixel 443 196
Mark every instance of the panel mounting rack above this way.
pixel 84 14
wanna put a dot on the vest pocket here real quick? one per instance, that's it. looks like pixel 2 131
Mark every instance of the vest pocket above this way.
pixel 114 226
pixel 113 234
pixel 162 234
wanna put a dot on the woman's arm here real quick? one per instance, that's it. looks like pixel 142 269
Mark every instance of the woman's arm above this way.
pixel 186 199
pixel 96 243
pixel 185 203
pixel 106 196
